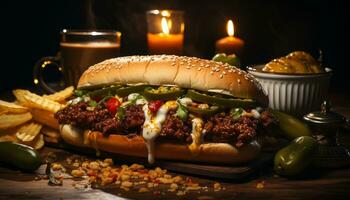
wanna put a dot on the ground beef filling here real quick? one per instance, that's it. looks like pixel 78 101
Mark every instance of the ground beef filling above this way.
pixel 223 128
pixel 218 128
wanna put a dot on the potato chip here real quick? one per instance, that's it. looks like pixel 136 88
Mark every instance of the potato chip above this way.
pixel 37 143
pixel 44 117
pixel 12 120
pixel 49 132
pixel 11 107
pixel 26 98
pixel 40 102
pixel 61 95
pixel 28 132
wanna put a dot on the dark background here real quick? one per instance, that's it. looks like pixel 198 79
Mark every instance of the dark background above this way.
pixel 270 29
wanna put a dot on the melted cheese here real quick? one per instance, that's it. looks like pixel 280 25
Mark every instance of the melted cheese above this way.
pixel 153 125
pixel 197 135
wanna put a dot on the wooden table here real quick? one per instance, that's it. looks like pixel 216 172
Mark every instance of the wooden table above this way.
pixel 319 184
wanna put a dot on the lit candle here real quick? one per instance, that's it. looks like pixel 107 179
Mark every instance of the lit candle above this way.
pixel 229 44
pixel 165 31
pixel 165 43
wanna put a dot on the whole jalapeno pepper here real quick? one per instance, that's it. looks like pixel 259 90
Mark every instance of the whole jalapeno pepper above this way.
pixel 294 158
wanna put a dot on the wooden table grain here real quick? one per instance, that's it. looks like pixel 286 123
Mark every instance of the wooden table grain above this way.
pixel 318 184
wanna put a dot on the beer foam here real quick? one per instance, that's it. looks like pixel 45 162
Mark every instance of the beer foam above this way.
pixel 102 44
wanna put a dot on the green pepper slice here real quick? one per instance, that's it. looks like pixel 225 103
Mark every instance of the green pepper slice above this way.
pixel 99 86
pixel 111 90
pixel 203 112
pixel 117 90
pixel 124 91
pixel 225 102
pixel 150 95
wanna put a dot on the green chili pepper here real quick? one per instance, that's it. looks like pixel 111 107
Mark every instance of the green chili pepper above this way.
pixel 290 126
pixel 231 59
pixel 182 112
pixel 204 112
pixel 104 91
pixel 220 101
pixel 124 91
pixel 93 103
pixel 99 86
pixel 294 158
pixel 121 113
pixel 171 94
pixel 79 93
pixel 236 112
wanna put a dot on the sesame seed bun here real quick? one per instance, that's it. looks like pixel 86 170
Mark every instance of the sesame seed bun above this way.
pixel 186 72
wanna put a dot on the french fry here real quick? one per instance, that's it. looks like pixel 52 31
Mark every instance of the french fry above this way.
pixel 35 101
pixel 44 117
pixel 49 132
pixel 37 143
pixel 28 132
pixel 11 107
pixel 19 94
pixel 12 120
pixel 61 95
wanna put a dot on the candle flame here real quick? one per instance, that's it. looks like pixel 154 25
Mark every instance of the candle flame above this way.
pixel 165 13
pixel 165 27
pixel 230 28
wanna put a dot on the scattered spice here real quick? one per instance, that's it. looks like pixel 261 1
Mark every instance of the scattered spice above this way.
pixel 260 185
pixel 96 173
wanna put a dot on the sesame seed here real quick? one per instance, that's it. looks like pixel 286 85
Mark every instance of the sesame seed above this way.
pixel 239 81
pixel 224 72
pixel 199 69
pixel 221 76
pixel 211 72
pixel 188 67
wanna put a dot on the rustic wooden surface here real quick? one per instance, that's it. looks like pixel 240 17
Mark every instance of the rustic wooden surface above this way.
pixel 316 184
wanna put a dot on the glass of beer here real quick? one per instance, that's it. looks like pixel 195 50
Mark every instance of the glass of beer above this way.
pixel 79 49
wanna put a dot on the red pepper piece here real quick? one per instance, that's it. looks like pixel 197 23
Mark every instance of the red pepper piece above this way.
pixel 155 105
pixel 112 105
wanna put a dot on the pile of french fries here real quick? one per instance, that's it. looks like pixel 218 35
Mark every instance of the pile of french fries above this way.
pixel 30 119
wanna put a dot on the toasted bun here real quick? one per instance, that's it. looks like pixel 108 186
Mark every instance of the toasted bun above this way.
pixel 210 153
pixel 185 72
